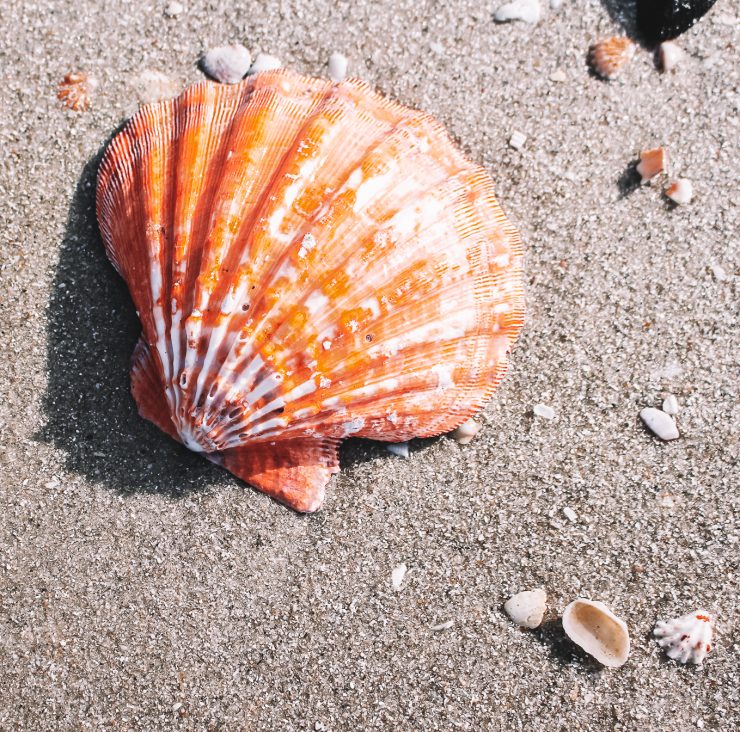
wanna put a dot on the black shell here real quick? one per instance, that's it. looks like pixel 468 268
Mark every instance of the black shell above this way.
pixel 660 20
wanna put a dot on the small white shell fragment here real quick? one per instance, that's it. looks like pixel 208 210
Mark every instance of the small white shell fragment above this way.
pixel 570 514
pixel 517 140
pixel 527 10
pixel 173 9
pixel 555 4
pixel 718 272
pixel 264 62
pixel 527 608
pixel 338 66
pixel 397 576
pixel 680 191
pixel 465 433
pixel 670 404
pixel 227 64
pixel 443 626
pixel 595 628
pixel 687 639
pixel 558 76
pixel 399 448
pixel 542 410
pixel 669 55
pixel 659 423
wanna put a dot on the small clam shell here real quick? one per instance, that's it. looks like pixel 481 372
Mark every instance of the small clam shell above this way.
pixel 608 57
pixel 527 608
pixel 227 64
pixel 687 639
pixel 595 628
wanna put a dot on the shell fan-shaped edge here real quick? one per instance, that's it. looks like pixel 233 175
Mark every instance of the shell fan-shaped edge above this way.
pixel 310 261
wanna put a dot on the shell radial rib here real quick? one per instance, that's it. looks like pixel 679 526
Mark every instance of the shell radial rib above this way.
pixel 309 261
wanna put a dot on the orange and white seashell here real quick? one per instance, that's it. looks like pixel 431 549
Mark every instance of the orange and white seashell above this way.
pixel 75 91
pixel 652 163
pixel 309 261
pixel 680 191
pixel 608 57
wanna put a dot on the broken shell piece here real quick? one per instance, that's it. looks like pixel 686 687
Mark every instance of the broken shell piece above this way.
pixel 527 10
pixel 338 66
pixel 680 191
pixel 443 626
pixel 227 64
pixel 264 62
pixel 595 628
pixel 670 55
pixel 154 86
pixel 517 140
pixel 670 404
pixel 608 57
pixel 75 91
pixel 397 576
pixel 687 639
pixel 542 410
pixel 527 608
pixel 398 448
pixel 659 423
pixel 465 433
pixel 652 162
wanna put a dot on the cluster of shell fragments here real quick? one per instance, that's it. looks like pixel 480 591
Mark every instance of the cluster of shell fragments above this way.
pixel 310 261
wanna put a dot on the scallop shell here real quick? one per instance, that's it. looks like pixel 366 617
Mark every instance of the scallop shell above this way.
pixel 594 627
pixel 687 639
pixel 310 261
pixel 608 57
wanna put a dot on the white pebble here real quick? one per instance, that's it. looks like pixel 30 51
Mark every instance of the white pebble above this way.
pixel 399 448
pixel 670 404
pixel 719 272
pixel 670 55
pixel 527 10
pixel 174 9
pixel 527 608
pixel 264 62
pixel 680 191
pixel 659 423
pixel 570 514
pixel 443 626
pixel 465 433
pixel 397 576
pixel 542 410
pixel 227 64
pixel 517 140
pixel 338 66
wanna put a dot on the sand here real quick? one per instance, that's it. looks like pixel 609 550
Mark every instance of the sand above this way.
pixel 142 588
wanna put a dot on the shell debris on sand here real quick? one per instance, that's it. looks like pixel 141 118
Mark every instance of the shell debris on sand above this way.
pixel 517 140
pixel 338 65
pixel 226 64
pixel 281 335
pixel 653 162
pixel 154 86
pixel 670 55
pixel 528 11
pixel 544 411
pixel 670 405
pixel 397 576
pixel 465 433
pixel 442 626
pixel 609 56
pixel 527 608
pixel 660 423
pixel 686 639
pixel 591 625
pixel 400 449
pixel 264 62
pixel 75 91
pixel 174 9
pixel 680 191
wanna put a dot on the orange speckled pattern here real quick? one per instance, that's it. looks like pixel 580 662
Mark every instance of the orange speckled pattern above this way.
pixel 309 261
